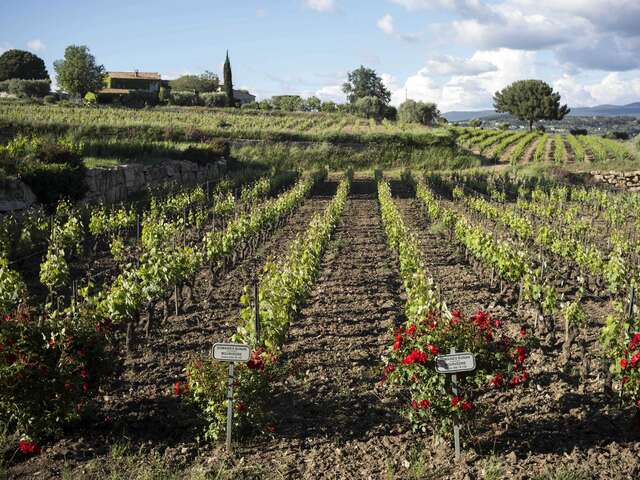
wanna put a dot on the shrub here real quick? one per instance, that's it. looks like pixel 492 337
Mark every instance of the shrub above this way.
pixel 578 131
pixel 184 99
pixel 210 152
pixel 250 106
pixel 370 107
pixel 91 98
pixel 328 106
pixel 502 126
pixel 617 135
pixel 207 380
pixel 50 371
pixel 53 170
pixel 213 99
pixel 26 88
pixel 411 111
pixel 411 365
pixel 50 99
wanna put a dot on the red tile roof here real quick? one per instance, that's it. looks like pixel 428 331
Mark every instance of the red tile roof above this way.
pixel 134 75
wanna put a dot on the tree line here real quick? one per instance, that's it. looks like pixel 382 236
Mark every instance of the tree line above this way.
pixel 24 74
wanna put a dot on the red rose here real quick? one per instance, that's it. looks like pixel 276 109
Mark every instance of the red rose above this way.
pixel 28 447
pixel 455 400
pixel 414 404
pixel 415 356
pixel 433 349
pixel 390 368
pixel 84 374
pixel 398 343
pixel 411 330
pixel 498 380
pixel 624 363
pixel 424 404
pixel 85 386
pixel 176 388
pixel 523 331
pixel 467 405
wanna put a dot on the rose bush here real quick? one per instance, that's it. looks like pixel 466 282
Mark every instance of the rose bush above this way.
pixel 50 369
pixel 410 369
pixel 207 388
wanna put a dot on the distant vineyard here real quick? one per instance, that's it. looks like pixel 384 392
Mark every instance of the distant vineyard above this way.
pixel 520 147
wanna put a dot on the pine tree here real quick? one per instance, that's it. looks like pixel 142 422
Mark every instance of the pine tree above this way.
pixel 228 83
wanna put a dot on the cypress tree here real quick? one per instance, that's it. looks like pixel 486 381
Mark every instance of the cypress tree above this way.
pixel 228 83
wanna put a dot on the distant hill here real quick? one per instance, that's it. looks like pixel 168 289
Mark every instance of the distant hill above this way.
pixel 632 109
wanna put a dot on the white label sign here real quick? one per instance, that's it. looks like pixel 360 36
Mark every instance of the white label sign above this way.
pixel 231 352
pixel 455 363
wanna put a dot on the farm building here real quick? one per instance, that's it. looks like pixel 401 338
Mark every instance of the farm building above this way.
pixel 125 82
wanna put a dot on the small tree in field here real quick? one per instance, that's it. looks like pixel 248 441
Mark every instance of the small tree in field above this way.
pixel 78 72
pixel 411 111
pixel 364 82
pixel 530 101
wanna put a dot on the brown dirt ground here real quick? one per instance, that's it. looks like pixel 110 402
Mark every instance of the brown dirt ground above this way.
pixel 332 419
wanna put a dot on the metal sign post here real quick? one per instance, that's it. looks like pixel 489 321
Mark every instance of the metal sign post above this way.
pixel 453 364
pixel 230 352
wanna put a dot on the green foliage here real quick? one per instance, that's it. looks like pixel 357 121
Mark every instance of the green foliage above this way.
pixel 12 288
pixel 312 104
pixel 328 106
pixel 287 103
pixel 91 98
pixel 228 82
pixel 50 370
pixel 183 99
pixel 370 107
pixel 411 111
pixel 26 88
pixel 364 82
pixel 530 100
pixel 78 72
pixel 431 329
pixel 53 170
pixel 213 99
pixel 203 83
pixel 21 64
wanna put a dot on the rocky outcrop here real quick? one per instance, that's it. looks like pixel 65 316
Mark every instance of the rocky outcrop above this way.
pixel 629 181
pixel 15 195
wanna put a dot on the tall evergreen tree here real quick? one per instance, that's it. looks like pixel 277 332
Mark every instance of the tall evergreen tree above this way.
pixel 228 82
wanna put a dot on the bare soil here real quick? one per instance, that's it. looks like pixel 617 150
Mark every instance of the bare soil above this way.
pixel 332 417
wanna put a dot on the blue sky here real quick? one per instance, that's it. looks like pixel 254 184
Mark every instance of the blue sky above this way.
pixel 454 52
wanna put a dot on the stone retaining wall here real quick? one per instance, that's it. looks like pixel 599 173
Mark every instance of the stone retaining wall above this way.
pixel 15 195
pixel 629 181
pixel 117 184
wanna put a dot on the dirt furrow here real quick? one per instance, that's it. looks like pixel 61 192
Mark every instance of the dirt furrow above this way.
pixel 140 407
pixel 331 423
pixel 549 423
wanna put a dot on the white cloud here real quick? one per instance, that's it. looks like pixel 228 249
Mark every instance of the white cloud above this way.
pixel 386 24
pixel 465 90
pixel 35 45
pixel 590 34
pixel 449 65
pixel 260 12
pixel 321 5
pixel 331 92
